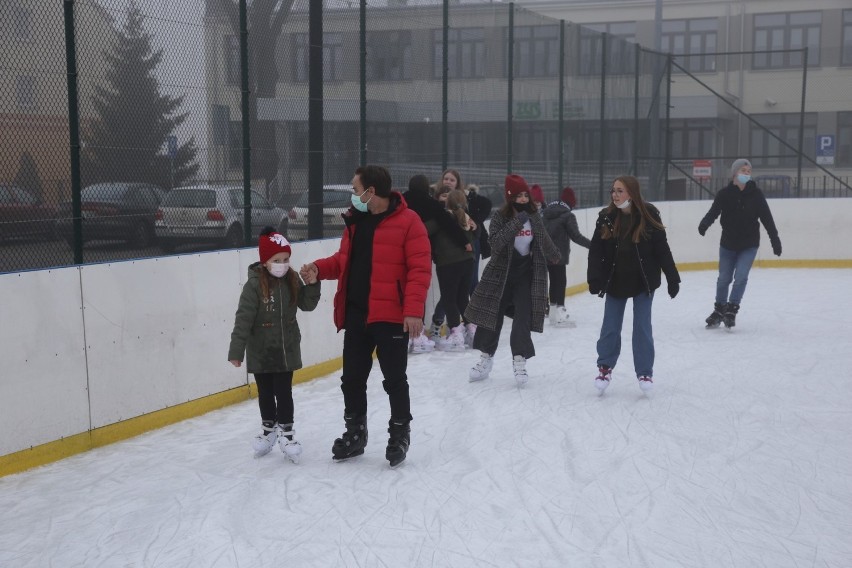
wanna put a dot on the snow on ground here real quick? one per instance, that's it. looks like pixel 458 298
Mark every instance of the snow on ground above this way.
pixel 740 458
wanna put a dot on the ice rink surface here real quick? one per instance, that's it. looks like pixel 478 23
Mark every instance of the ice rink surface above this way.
pixel 741 457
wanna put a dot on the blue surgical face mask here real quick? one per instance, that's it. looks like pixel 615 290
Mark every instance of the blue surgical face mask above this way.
pixel 358 204
pixel 743 178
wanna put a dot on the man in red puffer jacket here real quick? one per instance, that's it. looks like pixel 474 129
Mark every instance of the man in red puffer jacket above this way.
pixel 383 271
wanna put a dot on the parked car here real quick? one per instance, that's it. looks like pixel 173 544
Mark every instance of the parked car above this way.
pixel 114 211
pixel 22 214
pixel 336 200
pixel 213 214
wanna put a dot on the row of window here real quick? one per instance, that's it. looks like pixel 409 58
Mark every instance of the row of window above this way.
pixel 536 49
pixel 472 143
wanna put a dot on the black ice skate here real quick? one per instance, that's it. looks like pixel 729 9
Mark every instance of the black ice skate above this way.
pixel 353 441
pixel 730 315
pixel 398 442
pixel 715 319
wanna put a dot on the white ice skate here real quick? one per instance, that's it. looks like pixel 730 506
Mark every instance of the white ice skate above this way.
pixel 603 379
pixel 288 444
pixel 562 318
pixel 421 344
pixel 454 341
pixel 646 383
pixel 263 443
pixel 519 364
pixel 469 332
pixel 482 368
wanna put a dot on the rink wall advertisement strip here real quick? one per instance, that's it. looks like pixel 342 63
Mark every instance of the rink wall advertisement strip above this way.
pixel 98 353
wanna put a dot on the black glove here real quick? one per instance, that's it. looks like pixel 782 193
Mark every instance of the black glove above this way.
pixel 674 288
pixel 594 288
pixel 523 217
pixel 702 228
pixel 776 246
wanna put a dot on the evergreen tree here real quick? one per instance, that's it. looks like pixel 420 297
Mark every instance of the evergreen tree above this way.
pixel 126 138
pixel 27 176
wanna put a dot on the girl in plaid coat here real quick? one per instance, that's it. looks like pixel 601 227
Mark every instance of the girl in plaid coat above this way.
pixel 514 282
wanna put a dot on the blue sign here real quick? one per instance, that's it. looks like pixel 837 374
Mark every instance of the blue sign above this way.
pixel 825 149
pixel 172 146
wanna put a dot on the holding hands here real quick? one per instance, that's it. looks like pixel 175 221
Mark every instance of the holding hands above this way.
pixel 309 273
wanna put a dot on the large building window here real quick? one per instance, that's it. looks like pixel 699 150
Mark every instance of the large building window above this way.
pixel 465 53
pixel 620 48
pixel 846 50
pixel 844 139
pixel 536 51
pixel 332 57
pixel 767 150
pixel 691 39
pixel 232 60
pixel 389 55
pixel 795 30
pixel 692 139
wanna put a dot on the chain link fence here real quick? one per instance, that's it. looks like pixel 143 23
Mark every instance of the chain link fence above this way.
pixel 136 129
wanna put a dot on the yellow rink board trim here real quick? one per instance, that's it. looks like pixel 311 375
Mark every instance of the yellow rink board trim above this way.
pixel 85 441
pixel 78 443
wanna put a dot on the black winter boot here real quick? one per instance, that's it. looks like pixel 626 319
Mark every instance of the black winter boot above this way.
pixel 398 442
pixel 353 441
pixel 717 316
pixel 730 316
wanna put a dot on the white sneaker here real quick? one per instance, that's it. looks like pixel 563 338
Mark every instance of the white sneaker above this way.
pixel 454 341
pixel 552 314
pixel 482 368
pixel 421 344
pixel 263 443
pixel 562 318
pixel 519 364
pixel 603 379
pixel 646 383
pixel 469 332
pixel 288 444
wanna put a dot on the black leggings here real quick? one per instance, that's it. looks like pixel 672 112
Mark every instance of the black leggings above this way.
pixel 454 281
pixel 558 282
pixel 275 396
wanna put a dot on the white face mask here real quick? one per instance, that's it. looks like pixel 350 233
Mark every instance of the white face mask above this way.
pixel 624 204
pixel 278 269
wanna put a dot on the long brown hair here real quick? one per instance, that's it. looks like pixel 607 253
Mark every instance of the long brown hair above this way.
pixel 636 201
pixel 266 280
pixel 457 204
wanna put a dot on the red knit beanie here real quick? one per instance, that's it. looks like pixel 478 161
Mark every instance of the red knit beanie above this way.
pixel 536 194
pixel 515 184
pixel 270 244
pixel 569 197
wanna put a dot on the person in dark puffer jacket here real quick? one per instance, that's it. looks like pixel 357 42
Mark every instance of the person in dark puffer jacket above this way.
pixel 561 225
pixel 628 252
pixel 743 207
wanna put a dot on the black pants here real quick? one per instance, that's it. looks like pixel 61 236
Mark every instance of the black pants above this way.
pixel 517 298
pixel 558 281
pixel 391 346
pixel 454 282
pixel 275 396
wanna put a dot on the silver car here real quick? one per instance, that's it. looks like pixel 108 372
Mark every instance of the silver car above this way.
pixel 213 214
pixel 336 200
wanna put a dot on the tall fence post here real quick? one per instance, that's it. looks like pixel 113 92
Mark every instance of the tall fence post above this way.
pixel 246 118
pixel 363 79
pixel 315 121
pixel 602 136
pixel 668 148
pixel 511 84
pixel 802 122
pixel 634 165
pixel 445 82
pixel 73 130
pixel 561 106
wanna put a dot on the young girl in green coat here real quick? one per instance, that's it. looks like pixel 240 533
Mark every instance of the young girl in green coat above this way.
pixel 266 330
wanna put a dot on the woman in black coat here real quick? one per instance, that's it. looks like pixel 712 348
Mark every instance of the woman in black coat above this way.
pixel 629 250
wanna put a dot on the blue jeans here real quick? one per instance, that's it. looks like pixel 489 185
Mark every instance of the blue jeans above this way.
pixel 609 344
pixel 733 266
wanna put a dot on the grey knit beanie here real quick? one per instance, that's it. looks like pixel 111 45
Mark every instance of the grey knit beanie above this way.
pixel 735 167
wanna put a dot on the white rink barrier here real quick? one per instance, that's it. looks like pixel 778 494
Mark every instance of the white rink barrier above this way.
pixel 91 347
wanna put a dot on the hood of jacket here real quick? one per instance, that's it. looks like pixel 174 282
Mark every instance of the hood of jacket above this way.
pixel 555 209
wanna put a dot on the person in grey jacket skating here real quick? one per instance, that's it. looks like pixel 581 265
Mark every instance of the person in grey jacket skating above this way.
pixel 743 208
pixel 561 224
